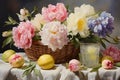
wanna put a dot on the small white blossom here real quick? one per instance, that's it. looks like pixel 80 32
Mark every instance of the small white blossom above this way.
pixel 23 14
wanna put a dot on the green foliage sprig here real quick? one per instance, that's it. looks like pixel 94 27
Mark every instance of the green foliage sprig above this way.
pixel 32 67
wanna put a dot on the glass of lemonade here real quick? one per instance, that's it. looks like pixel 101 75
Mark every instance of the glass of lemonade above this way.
pixel 89 54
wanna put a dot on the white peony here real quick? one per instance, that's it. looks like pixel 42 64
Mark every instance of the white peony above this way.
pixel 38 21
pixel 77 23
pixel 54 35
pixel 85 9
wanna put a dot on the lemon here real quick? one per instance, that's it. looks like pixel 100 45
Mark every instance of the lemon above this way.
pixel 46 61
pixel 108 58
pixel 6 54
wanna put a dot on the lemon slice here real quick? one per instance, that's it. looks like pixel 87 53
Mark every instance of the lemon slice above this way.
pixel 91 50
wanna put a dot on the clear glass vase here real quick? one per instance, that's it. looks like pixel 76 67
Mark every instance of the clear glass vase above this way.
pixel 89 54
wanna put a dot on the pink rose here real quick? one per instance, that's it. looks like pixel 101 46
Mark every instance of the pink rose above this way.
pixel 23 34
pixel 58 12
pixel 74 65
pixel 107 64
pixel 112 51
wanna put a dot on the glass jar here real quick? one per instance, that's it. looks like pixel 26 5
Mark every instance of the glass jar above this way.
pixel 89 54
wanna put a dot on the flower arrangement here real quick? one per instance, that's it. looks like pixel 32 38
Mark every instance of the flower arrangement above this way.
pixel 56 26
pixel 112 51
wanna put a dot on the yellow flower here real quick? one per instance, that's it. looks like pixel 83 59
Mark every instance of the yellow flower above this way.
pixel 81 24
pixel 77 23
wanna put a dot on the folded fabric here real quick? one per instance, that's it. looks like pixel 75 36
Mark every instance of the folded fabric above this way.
pixel 4 70
pixel 52 74
pixel 59 73
pixel 66 74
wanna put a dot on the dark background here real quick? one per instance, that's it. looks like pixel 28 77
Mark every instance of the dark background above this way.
pixel 11 7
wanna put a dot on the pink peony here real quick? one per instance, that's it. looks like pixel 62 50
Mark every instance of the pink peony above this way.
pixel 58 12
pixel 23 34
pixel 112 51
pixel 54 34
pixel 107 64
pixel 74 65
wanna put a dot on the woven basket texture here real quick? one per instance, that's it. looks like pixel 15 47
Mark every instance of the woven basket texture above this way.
pixel 63 55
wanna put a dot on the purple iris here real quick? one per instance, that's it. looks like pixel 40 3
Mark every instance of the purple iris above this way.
pixel 102 25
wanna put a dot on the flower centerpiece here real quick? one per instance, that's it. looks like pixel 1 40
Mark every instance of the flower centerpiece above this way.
pixel 56 27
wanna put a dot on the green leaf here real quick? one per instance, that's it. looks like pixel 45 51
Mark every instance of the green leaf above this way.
pixel 116 40
pixel 109 36
pixel 96 68
pixel 11 43
pixel 10 21
pixel 38 73
pixel 102 43
pixel 33 13
pixel 7 41
pixel 34 10
pixel 36 37
pixel 117 64
pixel 28 69
pixel 7 22
pixel 25 73
pixel 108 41
pixel 68 9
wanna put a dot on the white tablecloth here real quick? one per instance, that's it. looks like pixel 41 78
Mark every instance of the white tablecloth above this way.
pixel 60 73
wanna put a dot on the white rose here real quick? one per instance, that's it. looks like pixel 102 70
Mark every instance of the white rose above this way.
pixel 85 9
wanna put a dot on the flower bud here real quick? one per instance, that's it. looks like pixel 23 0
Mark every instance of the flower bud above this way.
pixel 24 12
pixel 6 33
pixel 74 65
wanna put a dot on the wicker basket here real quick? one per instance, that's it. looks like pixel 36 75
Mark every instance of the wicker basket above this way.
pixel 65 54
